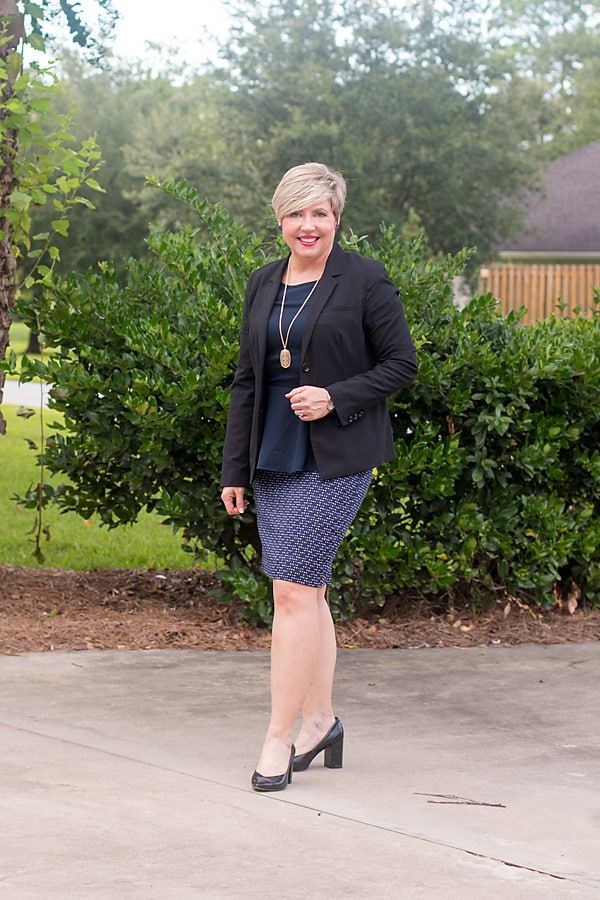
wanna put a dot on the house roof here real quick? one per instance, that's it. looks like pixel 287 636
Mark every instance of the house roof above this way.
pixel 563 218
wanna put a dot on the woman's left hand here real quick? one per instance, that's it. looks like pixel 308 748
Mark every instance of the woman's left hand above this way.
pixel 309 403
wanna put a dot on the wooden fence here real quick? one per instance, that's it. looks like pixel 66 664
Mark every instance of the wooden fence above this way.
pixel 540 288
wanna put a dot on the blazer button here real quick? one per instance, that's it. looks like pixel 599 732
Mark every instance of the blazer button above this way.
pixel 361 414
pixel 305 367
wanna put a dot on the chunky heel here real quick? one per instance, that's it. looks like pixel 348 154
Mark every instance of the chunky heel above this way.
pixel 334 753
pixel 332 744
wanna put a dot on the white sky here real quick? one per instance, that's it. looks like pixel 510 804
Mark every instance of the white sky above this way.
pixel 189 24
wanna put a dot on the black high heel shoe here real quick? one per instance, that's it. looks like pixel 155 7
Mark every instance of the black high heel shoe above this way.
pixel 274 782
pixel 332 744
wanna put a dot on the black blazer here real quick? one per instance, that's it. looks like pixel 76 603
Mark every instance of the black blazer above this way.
pixel 355 343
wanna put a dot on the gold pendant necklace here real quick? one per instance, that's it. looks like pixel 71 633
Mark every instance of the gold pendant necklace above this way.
pixel 285 357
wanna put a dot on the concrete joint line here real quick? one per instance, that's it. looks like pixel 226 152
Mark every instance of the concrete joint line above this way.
pixel 289 802
pixel 426 840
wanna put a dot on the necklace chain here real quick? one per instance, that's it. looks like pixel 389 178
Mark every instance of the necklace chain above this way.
pixel 285 357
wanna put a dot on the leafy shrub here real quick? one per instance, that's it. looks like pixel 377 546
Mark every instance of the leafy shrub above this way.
pixel 495 485
pixel 142 378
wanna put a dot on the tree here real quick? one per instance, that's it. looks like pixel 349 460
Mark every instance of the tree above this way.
pixel 585 104
pixel 554 48
pixel 430 109
pixel 90 26
pixel 10 37
pixel 400 100
pixel 15 109
pixel 105 102
pixel 182 131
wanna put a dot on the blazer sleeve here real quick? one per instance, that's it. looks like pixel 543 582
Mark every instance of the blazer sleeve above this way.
pixel 235 471
pixel 389 344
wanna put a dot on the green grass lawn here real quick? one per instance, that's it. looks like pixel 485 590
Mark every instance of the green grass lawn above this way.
pixel 75 543
pixel 19 341
pixel 19 337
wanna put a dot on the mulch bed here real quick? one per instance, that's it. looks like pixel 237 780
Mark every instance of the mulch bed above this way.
pixel 127 609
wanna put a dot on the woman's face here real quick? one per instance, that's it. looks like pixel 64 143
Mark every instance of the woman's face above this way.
pixel 310 232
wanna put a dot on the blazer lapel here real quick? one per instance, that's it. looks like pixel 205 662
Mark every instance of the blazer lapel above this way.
pixel 324 290
pixel 264 303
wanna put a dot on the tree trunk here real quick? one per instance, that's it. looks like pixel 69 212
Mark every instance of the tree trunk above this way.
pixel 33 347
pixel 13 20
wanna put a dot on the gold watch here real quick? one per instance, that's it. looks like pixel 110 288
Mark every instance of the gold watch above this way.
pixel 330 403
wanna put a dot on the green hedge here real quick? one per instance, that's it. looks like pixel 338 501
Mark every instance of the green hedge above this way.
pixel 495 485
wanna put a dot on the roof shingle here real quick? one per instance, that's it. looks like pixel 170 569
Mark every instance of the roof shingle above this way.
pixel 564 217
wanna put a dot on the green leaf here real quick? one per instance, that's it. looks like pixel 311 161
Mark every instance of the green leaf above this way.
pixel 20 200
pixel 92 183
pixel 40 104
pixel 36 41
pixel 61 226
pixel 34 10
pixel 14 64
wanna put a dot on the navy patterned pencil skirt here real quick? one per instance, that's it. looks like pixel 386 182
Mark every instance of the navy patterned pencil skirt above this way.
pixel 302 520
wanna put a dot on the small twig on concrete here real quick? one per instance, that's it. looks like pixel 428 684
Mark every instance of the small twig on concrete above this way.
pixel 453 799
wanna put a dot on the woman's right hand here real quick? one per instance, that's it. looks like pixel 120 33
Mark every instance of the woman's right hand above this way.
pixel 233 499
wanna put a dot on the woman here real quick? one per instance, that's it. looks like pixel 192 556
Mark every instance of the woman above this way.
pixel 323 342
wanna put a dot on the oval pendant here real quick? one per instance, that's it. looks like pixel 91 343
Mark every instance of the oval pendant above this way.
pixel 285 358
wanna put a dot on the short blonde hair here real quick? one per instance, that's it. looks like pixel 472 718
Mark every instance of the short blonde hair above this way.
pixel 309 185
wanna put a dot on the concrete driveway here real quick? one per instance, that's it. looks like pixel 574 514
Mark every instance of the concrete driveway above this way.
pixel 28 394
pixel 469 775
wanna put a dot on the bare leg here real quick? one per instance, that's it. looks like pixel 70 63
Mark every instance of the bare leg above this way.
pixel 294 654
pixel 317 711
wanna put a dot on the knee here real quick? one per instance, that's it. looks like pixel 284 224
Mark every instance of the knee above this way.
pixel 291 598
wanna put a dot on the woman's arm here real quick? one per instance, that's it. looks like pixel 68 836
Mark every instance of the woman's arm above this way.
pixel 236 449
pixel 374 357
